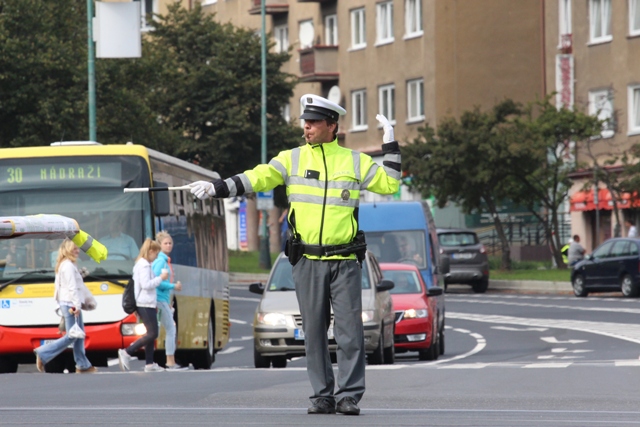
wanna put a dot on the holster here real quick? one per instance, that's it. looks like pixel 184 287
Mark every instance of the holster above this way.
pixel 294 249
pixel 361 243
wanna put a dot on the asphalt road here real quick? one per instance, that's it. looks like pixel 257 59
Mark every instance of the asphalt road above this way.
pixel 511 360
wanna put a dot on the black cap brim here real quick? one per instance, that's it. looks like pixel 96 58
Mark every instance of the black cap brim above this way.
pixel 309 115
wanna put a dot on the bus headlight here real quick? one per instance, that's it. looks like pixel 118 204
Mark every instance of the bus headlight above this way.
pixel 272 319
pixel 415 314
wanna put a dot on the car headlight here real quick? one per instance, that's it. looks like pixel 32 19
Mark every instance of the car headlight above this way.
pixel 368 316
pixel 272 319
pixel 132 329
pixel 415 314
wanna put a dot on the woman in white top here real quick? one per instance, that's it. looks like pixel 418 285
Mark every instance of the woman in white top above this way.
pixel 145 291
pixel 70 292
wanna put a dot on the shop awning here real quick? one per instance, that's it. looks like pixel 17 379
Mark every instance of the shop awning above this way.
pixel 584 200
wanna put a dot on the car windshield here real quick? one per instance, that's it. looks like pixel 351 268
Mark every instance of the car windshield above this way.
pixel 405 282
pixel 398 246
pixel 282 277
pixel 458 239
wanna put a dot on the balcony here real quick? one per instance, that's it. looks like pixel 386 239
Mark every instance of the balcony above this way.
pixel 319 64
pixel 271 7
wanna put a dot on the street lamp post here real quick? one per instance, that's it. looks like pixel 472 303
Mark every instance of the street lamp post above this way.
pixel 265 255
pixel 91 72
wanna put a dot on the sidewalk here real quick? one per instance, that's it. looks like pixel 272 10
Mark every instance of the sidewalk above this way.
pixel 536 286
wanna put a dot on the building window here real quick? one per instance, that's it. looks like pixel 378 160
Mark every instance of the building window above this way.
pixel 413 18
pixel 359 109
pixel 600 20
pixel 415 100
pixel 331 30
pixel 387 102
pixel 358 33
pixel 601 105
pixel 281 36
pixel 285 112
pixel 634 109
pixel 306 34
pixel 634 17
pixel 384 22
pixel 147 9
pixel 565 18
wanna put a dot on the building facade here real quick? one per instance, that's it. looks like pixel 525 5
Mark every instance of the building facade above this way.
pixel 593 61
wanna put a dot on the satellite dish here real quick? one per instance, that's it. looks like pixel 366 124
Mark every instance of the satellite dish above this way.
pixel 334 95
pixel 306 34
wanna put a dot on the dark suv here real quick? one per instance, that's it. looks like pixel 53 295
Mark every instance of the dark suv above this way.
pixel 468 260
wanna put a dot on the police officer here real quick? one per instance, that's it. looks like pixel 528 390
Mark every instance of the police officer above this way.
pixel 324 181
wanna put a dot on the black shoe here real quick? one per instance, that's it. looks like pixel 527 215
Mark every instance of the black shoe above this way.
pixel 348 406
pixel 322 405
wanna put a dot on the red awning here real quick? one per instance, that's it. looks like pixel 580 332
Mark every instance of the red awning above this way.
pixel 584 200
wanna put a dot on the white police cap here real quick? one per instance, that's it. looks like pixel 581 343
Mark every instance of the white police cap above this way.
pixel 319 108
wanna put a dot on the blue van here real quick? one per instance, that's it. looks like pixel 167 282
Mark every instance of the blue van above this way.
pixel 405 232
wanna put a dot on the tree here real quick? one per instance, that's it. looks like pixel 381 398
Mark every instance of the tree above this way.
pixel 545 133
pixel 467 162
pixel 210 90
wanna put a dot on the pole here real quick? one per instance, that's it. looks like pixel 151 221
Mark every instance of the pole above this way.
pixel 597 203
pixel 91 72
pixel 265 255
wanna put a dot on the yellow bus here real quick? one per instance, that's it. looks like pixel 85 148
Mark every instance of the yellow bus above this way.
pixel 85 181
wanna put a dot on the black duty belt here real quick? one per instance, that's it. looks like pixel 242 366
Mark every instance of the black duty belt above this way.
pixel 325 250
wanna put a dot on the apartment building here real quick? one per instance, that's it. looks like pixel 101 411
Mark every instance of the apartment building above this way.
pixel 593 56
pixel 415 61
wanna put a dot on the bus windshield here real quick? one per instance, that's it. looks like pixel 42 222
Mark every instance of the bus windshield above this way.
pixel 87 189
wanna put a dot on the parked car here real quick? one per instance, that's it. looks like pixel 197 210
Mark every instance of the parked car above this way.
pixel 416 310
pixel 468 261
pixel 612 266
pixel 405 232
pixel 277 325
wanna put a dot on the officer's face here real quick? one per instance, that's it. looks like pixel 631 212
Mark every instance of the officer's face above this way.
pixel 317 131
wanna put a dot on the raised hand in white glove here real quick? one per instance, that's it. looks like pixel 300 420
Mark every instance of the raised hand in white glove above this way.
pixel 202 189
pixel 84 272
pixel 386 127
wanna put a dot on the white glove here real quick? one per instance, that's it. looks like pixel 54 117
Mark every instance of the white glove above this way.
pixel 386 127
pixel 84 272
pixel 202 189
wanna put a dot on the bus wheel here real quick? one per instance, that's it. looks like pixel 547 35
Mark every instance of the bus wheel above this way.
pixel 8 365
pixel 203 359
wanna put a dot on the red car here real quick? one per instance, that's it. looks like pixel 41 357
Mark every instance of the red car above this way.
pixel 416 311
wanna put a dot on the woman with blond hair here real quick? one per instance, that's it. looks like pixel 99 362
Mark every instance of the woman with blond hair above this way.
pixel 145 292
pixel 163 291
pixel 70 292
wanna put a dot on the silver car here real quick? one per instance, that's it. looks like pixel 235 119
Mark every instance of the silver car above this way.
pixel 277 324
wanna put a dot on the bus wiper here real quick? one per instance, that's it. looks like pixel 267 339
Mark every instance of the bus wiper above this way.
pixel 104 279
pixel 5 284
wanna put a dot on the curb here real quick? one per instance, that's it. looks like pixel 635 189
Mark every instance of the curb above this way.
pixel 536 286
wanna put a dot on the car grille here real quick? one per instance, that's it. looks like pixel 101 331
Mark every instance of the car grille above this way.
pixel 297 318
pixel 291 341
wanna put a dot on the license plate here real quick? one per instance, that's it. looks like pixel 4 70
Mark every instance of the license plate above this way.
pixel 299 334
pixel 43 342
pixel 462 256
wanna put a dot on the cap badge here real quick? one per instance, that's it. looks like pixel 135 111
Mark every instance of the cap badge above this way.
pixel 345 195
pixel 309 100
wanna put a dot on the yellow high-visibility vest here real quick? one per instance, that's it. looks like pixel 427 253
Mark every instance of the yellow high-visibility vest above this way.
pixel 96 250
pixel 323 187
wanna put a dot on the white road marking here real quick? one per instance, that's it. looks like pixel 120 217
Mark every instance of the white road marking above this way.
pixel 554 340
pixel 245 299
pixel 560 307
pixel 551 356
pixel 230 350
pixel 508 328
pixel 547 365
pixel 112 362
pixel 239 322
pixel 564 350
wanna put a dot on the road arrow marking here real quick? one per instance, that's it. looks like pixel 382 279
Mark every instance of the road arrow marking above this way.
pixel 564 350
pixel 554 340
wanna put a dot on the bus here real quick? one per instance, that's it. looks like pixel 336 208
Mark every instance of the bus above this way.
pixel 85 181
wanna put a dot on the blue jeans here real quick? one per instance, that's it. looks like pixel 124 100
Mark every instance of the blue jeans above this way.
pixel 149 317
pixel 166 319
pixel 49 351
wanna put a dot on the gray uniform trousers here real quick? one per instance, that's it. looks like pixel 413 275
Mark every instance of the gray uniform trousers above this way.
pixel 319 286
